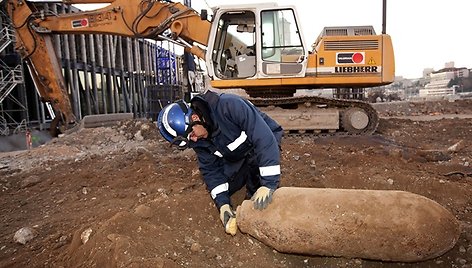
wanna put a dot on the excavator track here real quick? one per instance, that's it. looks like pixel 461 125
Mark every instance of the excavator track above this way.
pixel 320 116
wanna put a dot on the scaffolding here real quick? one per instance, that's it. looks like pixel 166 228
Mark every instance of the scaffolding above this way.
pixel 13 101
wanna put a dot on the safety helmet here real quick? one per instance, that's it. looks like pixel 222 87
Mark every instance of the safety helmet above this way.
pixel 174 123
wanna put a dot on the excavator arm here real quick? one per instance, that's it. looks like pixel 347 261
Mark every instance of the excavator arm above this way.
pixel 131 18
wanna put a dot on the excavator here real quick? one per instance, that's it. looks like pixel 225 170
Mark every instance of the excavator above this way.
pixel 259 48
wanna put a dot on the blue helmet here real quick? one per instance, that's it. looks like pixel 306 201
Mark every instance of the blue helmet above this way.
pixel 174 123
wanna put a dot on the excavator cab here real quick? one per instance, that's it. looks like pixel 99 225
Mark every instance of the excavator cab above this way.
pixel 255 42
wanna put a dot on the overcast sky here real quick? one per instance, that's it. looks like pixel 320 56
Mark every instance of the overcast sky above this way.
pixel 425 33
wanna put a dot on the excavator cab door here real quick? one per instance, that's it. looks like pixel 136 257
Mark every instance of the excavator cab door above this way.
pixel 234 46
pixel 255 42
pixel 283 53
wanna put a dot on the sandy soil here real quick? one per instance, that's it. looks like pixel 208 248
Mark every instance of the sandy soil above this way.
pixel 143 204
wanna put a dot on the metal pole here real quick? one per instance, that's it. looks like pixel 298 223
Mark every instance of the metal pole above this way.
pixel 109 83
pixel 57 37
pixel 93 73
pixel 124 83
pixel 155 80
pixel 131 75
pixel 140 47
pixel 147 73
pixel 153 94
pixel 75 78
pixel 102 73
pixel 113 70
pixel 384 17
pixel 137 75
pixel 86 77
pixel 67 66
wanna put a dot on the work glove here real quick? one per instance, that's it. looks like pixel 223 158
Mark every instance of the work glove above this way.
pixel 262 197
pixel 228 218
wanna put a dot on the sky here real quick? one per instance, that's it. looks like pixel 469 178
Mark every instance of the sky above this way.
pixel 425 33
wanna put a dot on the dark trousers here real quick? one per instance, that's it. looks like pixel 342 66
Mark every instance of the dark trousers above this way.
pixel 248 175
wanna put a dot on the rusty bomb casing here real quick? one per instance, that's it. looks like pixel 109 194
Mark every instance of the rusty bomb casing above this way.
pixel 370 224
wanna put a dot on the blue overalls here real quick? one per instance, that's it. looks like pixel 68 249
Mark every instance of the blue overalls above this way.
pixel 244 148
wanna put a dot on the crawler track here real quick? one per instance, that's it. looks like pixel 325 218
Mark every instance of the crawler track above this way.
pixel 355 117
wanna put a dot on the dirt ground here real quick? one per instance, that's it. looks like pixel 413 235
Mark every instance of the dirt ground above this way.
pixel 141 204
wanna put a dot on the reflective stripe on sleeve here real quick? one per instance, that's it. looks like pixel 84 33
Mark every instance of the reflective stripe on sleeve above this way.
pixel 238 141
pixel 270 170
pixel 217 153
pixel 219 189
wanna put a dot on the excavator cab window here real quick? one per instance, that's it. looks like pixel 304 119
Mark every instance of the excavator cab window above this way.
pixel 234 54
pixel 282 46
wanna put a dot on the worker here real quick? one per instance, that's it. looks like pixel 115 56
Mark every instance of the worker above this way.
pixel 236 145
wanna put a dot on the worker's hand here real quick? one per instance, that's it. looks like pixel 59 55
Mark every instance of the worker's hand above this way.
pixel 262 197
pixel 228 218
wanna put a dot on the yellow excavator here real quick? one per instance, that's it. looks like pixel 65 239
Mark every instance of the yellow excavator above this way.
pixel 256 47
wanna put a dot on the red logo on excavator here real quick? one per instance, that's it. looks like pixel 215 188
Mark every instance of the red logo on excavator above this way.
pixel 350 58
pixel 80 23
pixel 84 22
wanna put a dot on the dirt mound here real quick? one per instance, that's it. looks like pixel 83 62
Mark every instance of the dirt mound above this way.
pixel 138 203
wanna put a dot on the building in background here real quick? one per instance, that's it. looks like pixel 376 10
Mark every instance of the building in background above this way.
pixel 438 85
pixel 444 82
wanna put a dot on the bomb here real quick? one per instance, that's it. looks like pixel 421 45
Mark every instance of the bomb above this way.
pixel 368 224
